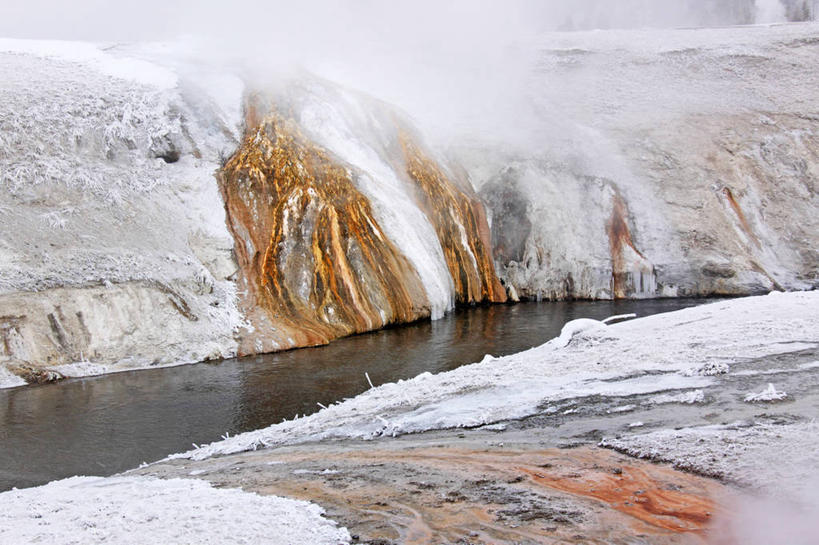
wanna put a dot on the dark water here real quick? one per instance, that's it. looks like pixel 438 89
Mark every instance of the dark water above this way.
pixel 104 425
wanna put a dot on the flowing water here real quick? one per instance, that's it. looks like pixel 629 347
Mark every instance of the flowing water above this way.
pixel 107 424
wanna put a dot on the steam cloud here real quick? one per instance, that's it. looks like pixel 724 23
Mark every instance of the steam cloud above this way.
pixel 437 60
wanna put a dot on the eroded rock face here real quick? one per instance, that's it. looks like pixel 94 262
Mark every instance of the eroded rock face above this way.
pixel 314 259
pixel 113 248
pixel 459 220
pixel 683 166
pixel 315 262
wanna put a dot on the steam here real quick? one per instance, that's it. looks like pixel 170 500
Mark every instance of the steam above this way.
pixel 770 11
pixel 457 67
pixel 764 521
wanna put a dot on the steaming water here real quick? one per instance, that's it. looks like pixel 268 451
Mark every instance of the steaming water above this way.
pixel 103 425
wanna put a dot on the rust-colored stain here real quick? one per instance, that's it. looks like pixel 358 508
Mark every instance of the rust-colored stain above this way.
pixel 431 494
pixel 460 222
pixel 636 493
pixel 740 215
pixel 315 263
pixel 620 239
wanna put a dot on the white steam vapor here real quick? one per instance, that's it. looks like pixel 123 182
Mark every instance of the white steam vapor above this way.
pixel 770 11
pixel 752 520
pixel 446 62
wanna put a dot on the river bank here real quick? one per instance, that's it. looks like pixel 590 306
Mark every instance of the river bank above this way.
pixel 509 450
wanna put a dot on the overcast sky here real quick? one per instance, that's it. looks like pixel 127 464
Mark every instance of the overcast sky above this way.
pixel 129 20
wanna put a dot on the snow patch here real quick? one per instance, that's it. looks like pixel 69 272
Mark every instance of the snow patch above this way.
pixel 689 398
pixel 710 369
pixel 9 379
pixel 93 510
pixel 767 395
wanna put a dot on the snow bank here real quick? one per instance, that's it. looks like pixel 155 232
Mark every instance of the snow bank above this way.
pixel 89 510
pixel 643 356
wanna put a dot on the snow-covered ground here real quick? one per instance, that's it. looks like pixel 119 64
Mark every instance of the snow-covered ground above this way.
pixel 679 352
pixel 125 510
pixel 779 458
pixel 667 359
pixel 114 251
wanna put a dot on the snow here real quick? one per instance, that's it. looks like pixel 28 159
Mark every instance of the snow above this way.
pixel 643 356
pixel 91 510
pixel 778 458
pixel 97 224
pixel 689 398
pixel 709 369
pixel 9 380
pixel 93 55
pixel 768 394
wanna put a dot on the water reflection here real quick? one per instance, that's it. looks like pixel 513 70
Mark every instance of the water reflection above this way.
pixel 103 425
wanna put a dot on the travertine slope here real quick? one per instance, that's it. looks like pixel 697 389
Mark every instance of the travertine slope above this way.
pixel 157 211
pixel 315 260
pixel 660 163
pixel 146 221
pixel 113 246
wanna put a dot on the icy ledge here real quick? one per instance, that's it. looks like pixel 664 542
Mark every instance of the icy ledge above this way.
pixel 647 355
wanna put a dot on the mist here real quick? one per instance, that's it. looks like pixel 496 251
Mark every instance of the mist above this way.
pixel 456 67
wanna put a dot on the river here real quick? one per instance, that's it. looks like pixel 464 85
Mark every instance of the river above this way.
pixel 107 424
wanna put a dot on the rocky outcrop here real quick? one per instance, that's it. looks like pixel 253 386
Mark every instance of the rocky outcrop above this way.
pixel 328 215
pixel 315 263
pixel 704 185
pixel 458 216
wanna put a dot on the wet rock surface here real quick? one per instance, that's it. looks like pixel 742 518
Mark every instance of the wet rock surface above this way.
pixel 315 260
pixel 439 488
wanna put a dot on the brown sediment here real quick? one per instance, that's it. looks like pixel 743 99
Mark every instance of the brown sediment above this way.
pixel 620 240
pixel 314 262
pixel 459 220
pixel 431 493
pixel 634 491
pixel 740 215
pixel 728 195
